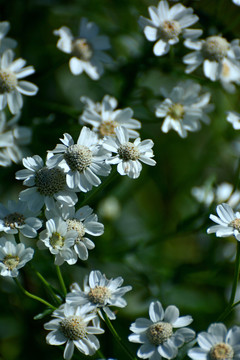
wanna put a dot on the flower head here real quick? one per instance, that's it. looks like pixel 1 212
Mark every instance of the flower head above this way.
pixel 167 24
pixel 6 42
pixel 157 334
pixel 11 85
pixel 71 326
pixel 104 118
pixel 128 154
pixel 82 162
pixel 217 343
pixel 13 256
pixel 228 222
pixel 234 118
pixel 100 293
pixel 183 108
pixel 86 50
pixel 46 185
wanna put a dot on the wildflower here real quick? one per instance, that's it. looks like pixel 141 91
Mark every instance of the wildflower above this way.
pixel 59 240
pixel 228 222
pixel 236 2
pixel 104 118
pixel 218 56
pixel 86 50
pixel 13 256
pixel 129 154
pixel 6 42
pixel 47 185
pixel 82 162
pixel 157 334
pixel 12 139
pixel 183 108
pixel 166 25
pixel 217 343
pixel 16 217
pixel 71 326
pixel 99 293
pixel 11 85
pixel 234 118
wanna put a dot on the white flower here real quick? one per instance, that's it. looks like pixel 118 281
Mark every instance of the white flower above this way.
pixel 218 56
pixel 99 292
pixel 228 222
pixel 6 42
pixel 71 326
pixel 16 217
pixel 203 194
pixel 183 108
pixel 236 2
pixel 84 222
pixel 217 343
pixel 157 335
pixel 167 24
pixel 86 50
pixel 104 118
pixel 129 154
pixel 59 240
pixel 12 139
pixel 234 118
pixel 225 193
pixel 82 161
pixel 46 185
pixel 11 84
pixel 13 256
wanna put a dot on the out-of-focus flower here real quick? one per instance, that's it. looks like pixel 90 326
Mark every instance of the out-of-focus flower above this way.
pixel 128 154
pixel 11 85
pixel 86 50
pixel 109 208
pixel 71 326
pixel 104 118
pixel 236 2
pixel 234 118
pixel 228 222
pixel 217 343
pixel 167 24
pixel 59 240
pixel 82 162
pixel 13 256
pixel 157 335
pixel 184 108
pixel 46 185
pixel 6 42
pixel 100 293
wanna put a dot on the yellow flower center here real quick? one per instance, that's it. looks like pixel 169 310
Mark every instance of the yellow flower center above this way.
pixel 159 333
pixel 215 48
pixel 176 111
pixel 73 327
pixel 107 128
pixel 99 295
pixel 82 49
pixel 170 29
pixel 221 351
pixel 128 151
pixel 11 261
pixel 78 157
pixel 8 81
pixel 13 220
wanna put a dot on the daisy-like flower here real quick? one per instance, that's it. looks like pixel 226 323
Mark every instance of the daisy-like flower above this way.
pixel 167 24
pixel 13 256
pixel 82 162
pixel 6 42
pixel 16 217
pixel 228 222
pixel 218 56
pixel 217 343
pixel 129 154
pixel 100 293
pixel 46 185
pixel 71 326
pixel 11 84
pixel 234 118
pixel 59 240
pixel 183 108
pixel 104 118
pixel 86 50
pixel 13 138
pixel 157 335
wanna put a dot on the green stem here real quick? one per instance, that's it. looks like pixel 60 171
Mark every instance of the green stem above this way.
pixel 32 296
pixel 117 337
pixel 100 354
pixel 234 285
pixel 48 287
pixel 62 283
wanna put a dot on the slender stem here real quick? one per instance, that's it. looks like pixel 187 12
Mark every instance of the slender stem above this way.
pixel 56 299
pixel 100 354
pixel 228 309
pixel 117 337
pixel 32 296
pixel 62 283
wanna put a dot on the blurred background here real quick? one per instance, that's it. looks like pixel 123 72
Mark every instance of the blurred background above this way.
pixel 155 229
